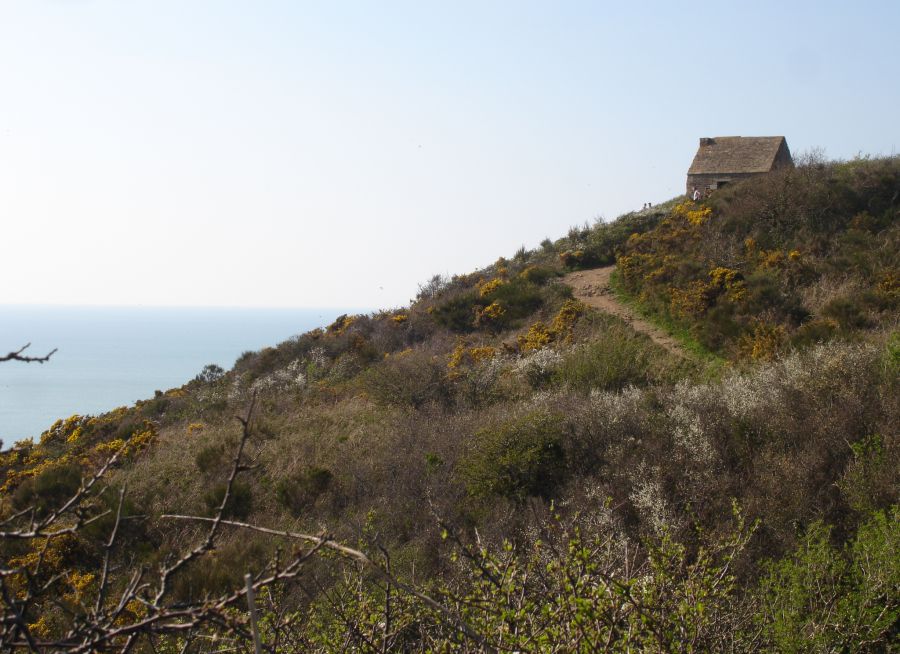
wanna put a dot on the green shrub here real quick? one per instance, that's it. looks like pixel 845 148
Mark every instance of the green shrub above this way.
pixel 211 373
pixel 211 575
pixel 457 313
pixel 825 599
pixel 240 502
pixel 616 358
pixel 813 332
pixel 300 491
pixel 847 312
pixel 50 489
pixel 211 457
pixel 520 458
pixel 539 275
pixel 519 297
pixel 409 379
pixel 869 481
pixel 892 357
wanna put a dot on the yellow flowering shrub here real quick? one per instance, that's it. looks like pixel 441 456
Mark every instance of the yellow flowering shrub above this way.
pixel 137 442
pixel 565 319
pixel 194 428
pixel 458 354
pixel 636 267
pixel 699 216
pixel 79 584
pixel 763 343
pixel 340 325
pixel 771 259
pixel 528 273
pixel 695 215
pixel 889 284
pixel 462 354
pixel 134 610
pixel 398 355
pixel 62 430
pixel 400 318
pixel 730 281
pixel 485 353
pixel 45 557
pixel 34 464
pixel 538 336
pixel 492 312
pixel 692 301
pixel 40 628
pixel 489 287
pixel 109 447
pixel 762 249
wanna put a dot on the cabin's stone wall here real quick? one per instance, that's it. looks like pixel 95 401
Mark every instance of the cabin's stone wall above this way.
pixel 710 181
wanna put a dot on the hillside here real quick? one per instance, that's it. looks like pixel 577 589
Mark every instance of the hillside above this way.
pixel 523 472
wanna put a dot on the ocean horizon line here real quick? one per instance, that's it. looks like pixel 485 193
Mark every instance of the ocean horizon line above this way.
pixel 229 307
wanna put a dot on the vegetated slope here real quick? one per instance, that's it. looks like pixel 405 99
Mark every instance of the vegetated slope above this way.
pixel 781 261
pixel 495 396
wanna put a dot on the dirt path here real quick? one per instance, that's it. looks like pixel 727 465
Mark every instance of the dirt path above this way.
pixel 592 288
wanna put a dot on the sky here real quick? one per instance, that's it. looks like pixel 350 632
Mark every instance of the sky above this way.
pixel 337 154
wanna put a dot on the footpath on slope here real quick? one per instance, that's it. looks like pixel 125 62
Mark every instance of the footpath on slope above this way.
pixel 593 288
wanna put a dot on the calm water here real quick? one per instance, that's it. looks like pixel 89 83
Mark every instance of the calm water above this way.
pixel 110 357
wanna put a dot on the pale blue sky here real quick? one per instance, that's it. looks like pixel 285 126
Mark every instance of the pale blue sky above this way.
pixel 337 153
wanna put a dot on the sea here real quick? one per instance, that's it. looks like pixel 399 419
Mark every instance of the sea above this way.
pixel 109 357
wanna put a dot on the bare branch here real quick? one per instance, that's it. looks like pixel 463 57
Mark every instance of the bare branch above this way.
pixel 18 356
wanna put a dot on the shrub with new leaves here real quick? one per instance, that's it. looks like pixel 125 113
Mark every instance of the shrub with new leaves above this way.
pixel 516 459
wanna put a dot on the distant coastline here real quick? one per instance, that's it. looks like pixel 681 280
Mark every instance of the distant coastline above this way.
pixel 114 356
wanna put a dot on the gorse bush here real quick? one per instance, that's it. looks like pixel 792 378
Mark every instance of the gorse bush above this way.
pixel 495 304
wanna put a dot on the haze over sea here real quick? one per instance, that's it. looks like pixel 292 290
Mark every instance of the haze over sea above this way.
pixel 112 356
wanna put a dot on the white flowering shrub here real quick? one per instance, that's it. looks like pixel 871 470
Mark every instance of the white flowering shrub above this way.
pixel 538 366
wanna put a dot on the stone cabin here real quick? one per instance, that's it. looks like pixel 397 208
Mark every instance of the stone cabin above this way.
pixel 724 159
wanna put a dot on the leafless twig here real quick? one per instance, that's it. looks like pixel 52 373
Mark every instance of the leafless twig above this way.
pixel 18 356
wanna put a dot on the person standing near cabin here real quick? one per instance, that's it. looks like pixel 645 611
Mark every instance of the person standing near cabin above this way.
pixel 696 194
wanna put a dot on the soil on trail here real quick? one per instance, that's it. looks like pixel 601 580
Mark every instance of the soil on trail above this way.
pixel 592 287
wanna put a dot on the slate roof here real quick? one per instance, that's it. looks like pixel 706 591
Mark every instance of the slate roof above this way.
pixel 736 154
